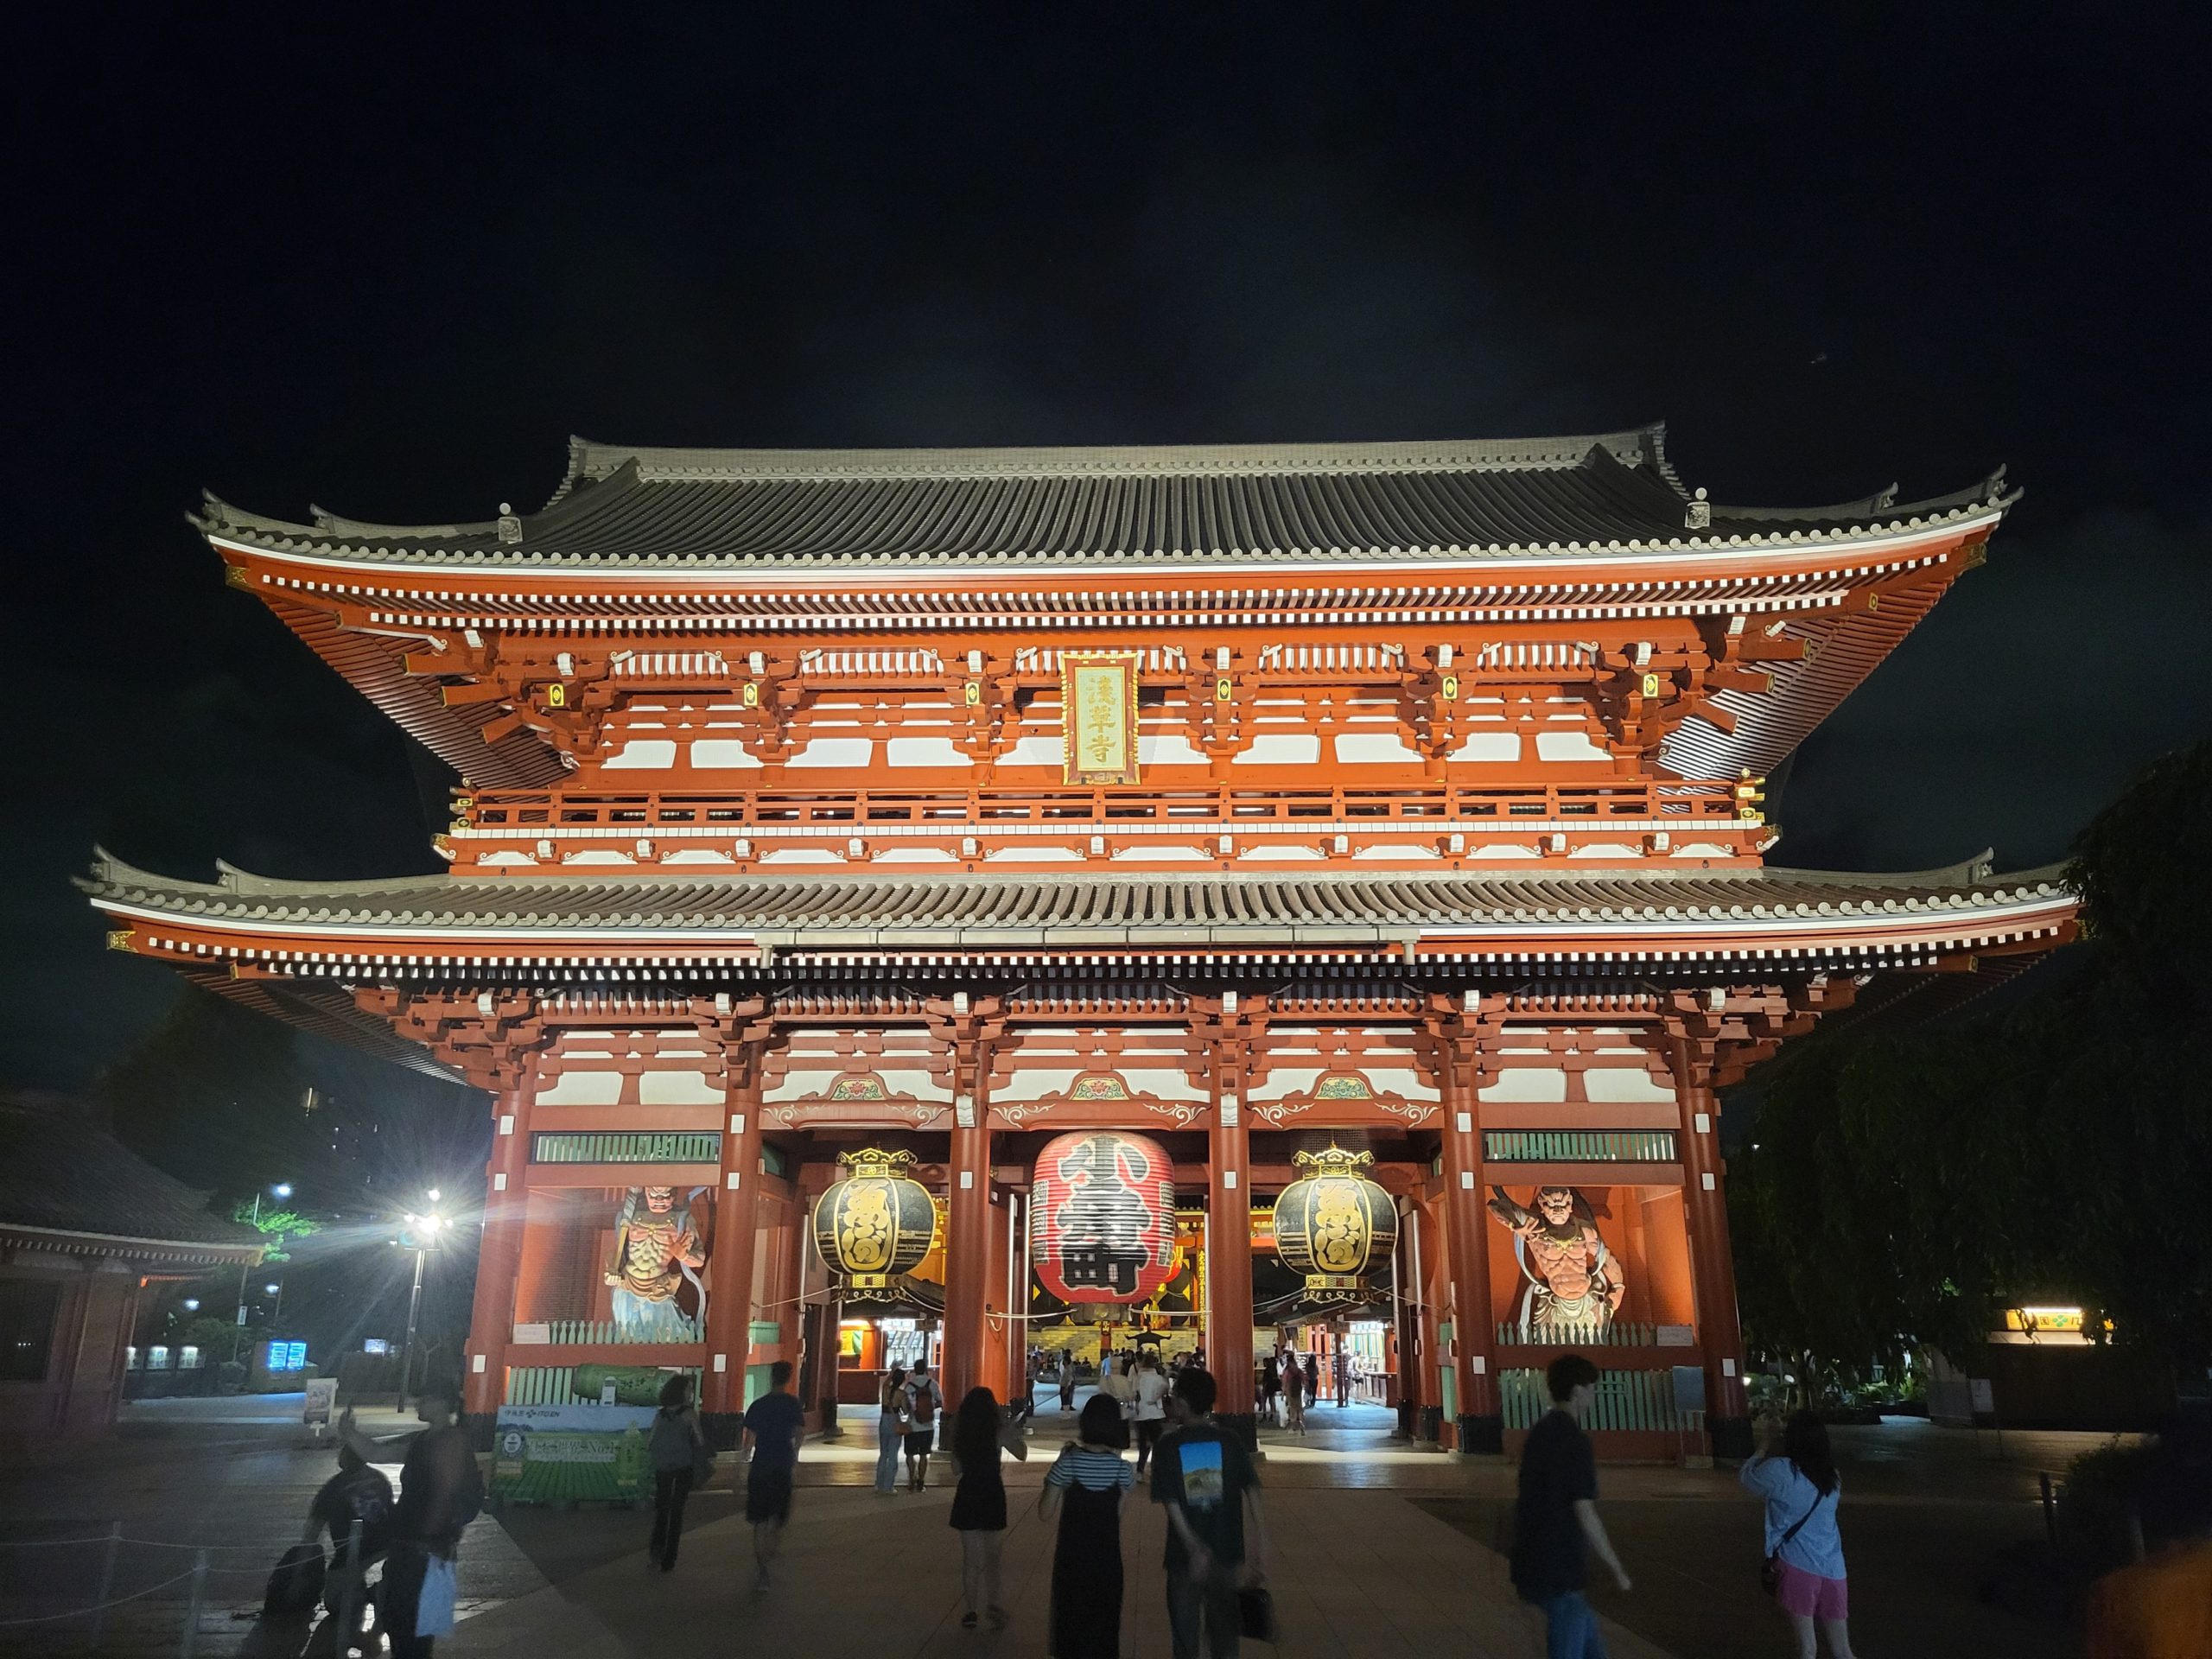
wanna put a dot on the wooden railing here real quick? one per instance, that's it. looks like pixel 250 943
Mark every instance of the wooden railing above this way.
pixel 1578 1146
pixel 1613 1333
pixel 556 1385
pixel 1626 1400
pixel 627 1146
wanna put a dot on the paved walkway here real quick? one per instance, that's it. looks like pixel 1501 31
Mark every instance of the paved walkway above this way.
pixel 1355 1573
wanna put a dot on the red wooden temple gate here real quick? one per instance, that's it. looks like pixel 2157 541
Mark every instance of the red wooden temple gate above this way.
pixel 1401 797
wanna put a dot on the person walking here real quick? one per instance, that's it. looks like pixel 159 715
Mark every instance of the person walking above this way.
pixel 979 1504
pixel 1067 1381
pixel 1148 1409
pixel 1555 1515
pixel 1270 1386
pixel 675 1446
pixel 1793 1472
pixel 1340 1376
pixel 890 1428
pixel 1205 1478
pixel 1093 1481
pixel 774 1425
pixel 923 1399
pixel 441 1492
pixel 1293 1394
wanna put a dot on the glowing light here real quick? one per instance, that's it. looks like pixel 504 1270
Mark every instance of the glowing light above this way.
pixel 191 1304
pixel 434 1195
pixel 272 1289
pixel 282 1189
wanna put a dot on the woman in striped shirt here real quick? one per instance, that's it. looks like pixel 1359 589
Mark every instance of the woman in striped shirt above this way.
pixel 1093 1481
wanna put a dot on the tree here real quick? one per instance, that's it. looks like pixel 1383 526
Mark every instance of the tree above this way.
pixel 1900 1191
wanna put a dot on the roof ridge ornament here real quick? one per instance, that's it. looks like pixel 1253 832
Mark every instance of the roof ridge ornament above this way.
pixel 1697 511
pixel 510 526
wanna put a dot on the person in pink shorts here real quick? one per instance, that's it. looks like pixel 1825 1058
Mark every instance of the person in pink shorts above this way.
pixel 1801 1490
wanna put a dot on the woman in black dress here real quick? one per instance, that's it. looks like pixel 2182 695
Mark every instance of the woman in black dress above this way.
pixel 1093 1481
pixel 979 1505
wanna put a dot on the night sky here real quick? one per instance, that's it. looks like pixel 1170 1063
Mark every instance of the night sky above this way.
pixel 387 265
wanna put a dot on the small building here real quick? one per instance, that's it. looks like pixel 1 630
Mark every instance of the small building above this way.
pixel 86 1225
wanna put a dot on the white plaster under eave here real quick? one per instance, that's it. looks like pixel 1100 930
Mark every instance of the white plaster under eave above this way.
pixel 697 855
pixel 1034 855
pixel 598 855
pixel 575 1087
pixel 1161 855
pixel 1489 745
pixel 1530 1084
pixel 1395 850
pixel 516 859
pixel 1704 850
pixel 923 751
pixel 1622 1085
pixel 676 1089
pixel 916 855
pixel 1503 849
pixel 801 855
pixel 1607 850
pixel 1273 853
pixel 1282 749
pixel 844 752
pixel 643 754
pixel 1569 746
pixel 1168 749
pixel 718 754
pixel 1036 751
pixel 1375 748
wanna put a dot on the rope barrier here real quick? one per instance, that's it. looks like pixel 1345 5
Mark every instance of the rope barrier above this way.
pixel 97 1606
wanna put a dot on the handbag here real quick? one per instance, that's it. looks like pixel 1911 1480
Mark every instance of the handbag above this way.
pixel 702 1463
pixel 1256 1613
pixel 1770 1569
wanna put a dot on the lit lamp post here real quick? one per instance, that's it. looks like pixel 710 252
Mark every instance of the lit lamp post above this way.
pixel 422 1235
pixel 276 1313
pixel 282 1190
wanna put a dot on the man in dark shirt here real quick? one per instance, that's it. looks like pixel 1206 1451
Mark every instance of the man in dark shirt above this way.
pixel 774 1424
pixel 1206 1479
pixel 440 1487
pixel 1555 1515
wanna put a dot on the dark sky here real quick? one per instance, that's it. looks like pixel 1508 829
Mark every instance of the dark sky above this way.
pixel 387 264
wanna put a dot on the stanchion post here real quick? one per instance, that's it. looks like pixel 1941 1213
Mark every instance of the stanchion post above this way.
pixel 346 1611
pixel 191 1636
pixel 107 1583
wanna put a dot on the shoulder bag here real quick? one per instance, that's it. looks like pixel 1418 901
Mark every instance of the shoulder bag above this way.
pixel 1770 1569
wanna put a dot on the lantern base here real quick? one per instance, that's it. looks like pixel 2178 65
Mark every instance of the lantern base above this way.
pixel 868 1281
pixel 1319 1283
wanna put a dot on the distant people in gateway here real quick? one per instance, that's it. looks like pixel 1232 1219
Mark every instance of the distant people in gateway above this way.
pixel 1148 1407
pixel 923 1401
pixel 1555 1515
pixel 1271 1386
pixel 1089 1486
pixel 775 1426
pixel 890 1428
pixel 1804 1548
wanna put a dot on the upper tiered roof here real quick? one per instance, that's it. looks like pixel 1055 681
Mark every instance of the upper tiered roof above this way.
pixel 639 510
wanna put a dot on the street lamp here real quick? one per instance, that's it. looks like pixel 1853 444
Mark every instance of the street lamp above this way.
pixel 422 1235
pixel 281 1190
pixel 191 1304
pixel 277 1291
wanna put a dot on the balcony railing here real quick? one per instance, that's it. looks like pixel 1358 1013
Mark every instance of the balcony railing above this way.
pixel 1613 1333
pixel 1579 1146
pixel 559 1385
pixel 627 1147
pixel 563 1333
pixel 1626 1400
pixel 514 811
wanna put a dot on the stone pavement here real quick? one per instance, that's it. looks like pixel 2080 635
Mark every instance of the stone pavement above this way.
pixel 1355 1573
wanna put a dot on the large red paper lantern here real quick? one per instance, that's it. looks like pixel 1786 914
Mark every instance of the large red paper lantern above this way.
pixel 1102 1204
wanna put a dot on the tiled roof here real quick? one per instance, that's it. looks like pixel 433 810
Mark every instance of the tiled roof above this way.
pixel 60 1172
pixel 698 510
pixel 957 912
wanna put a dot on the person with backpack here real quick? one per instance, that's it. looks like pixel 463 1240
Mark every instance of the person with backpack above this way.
pixel 923 1399
pixel 441 1492
pixel 678 1449
pixel 1804 1548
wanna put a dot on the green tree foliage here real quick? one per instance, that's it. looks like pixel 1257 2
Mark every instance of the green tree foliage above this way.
pixel 275 1225
pixel 1902 1190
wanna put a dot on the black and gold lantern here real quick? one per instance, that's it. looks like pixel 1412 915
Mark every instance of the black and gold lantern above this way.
pixel 875 1223
pixel 1333 1223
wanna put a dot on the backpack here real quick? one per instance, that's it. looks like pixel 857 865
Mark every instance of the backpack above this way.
pixel 925 1402
pixel 296 1584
